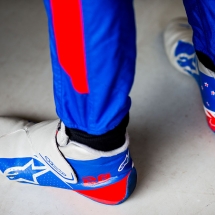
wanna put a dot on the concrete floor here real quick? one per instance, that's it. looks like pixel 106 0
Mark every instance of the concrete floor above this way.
pixel 171 144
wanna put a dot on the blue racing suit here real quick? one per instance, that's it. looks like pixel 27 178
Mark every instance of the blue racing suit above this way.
pixel 201 17
pixel 93 53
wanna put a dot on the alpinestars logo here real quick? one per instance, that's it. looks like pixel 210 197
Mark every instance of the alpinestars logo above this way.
pixel 185 57
pixel 124 163
pixel 27 173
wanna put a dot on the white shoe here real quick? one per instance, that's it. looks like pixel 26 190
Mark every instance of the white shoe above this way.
pixel 181 54
pixel 41 154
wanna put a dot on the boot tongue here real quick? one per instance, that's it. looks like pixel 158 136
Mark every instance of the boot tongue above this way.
pixel 61 138
pixel 43 140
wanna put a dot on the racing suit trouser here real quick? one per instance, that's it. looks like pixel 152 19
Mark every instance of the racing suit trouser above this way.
pixel 93 52
pixel 201 17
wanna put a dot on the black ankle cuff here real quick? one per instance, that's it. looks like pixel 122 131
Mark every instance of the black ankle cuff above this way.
pixel 206 61
pixel 106 142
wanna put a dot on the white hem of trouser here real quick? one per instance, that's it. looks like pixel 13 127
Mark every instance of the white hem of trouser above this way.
pixel 102 153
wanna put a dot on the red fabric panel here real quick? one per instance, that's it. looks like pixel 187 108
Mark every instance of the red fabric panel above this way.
pixel 68 29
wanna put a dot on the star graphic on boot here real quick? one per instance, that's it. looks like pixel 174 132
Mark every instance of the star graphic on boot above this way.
pixel 27 173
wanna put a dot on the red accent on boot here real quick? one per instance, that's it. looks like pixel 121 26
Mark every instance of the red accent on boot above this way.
pixel 211 121
pixel 112 194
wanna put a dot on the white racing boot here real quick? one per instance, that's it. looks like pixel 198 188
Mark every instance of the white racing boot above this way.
pixel 181 54
pixel 41 154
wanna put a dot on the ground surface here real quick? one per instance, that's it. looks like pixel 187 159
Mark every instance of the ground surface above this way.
pixel 173 149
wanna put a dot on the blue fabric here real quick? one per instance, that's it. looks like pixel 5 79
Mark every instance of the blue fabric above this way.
pixel 109 34
pixel 201 16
